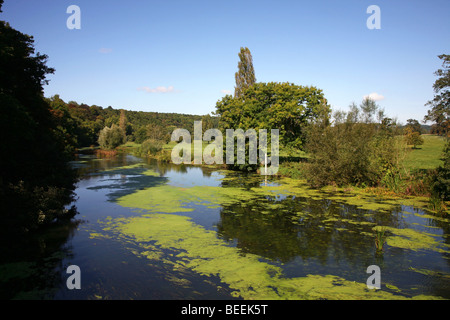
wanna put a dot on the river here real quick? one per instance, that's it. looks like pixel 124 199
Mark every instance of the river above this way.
pixel 147 230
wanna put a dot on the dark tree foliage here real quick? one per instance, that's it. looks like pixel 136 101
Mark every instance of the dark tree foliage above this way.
pixel 36 180
pixel 439 112
pixel 440 181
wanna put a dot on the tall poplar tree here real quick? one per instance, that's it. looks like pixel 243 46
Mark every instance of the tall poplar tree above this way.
pixel 245 76
pixel 123 120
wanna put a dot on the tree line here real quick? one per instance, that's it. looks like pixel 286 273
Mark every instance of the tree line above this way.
pixel 82 124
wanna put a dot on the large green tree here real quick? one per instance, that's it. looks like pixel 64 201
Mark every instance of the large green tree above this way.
pixel 283 106
pixel 440 105
pixel 245 76
pixel 36 181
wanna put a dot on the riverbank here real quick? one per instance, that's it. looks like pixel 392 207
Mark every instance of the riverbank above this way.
pixel 411 187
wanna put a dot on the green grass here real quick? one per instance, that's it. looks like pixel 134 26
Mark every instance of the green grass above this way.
pixel 426 156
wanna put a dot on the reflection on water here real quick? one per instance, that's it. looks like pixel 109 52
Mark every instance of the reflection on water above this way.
pixel 301 235
pixel 31 267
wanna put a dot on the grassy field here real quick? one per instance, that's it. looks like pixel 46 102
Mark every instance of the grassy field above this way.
pixel 426 156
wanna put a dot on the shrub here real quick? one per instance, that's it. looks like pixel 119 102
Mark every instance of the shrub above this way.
pixel 355 150
pixel 293 170
pixel 150 147
pixel 165 156
pixel 111 138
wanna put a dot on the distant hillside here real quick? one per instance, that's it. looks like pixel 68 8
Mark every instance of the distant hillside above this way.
pixel 85 122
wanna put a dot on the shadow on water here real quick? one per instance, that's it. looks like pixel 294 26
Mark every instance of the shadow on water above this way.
pixel 32 266
pixel 122 182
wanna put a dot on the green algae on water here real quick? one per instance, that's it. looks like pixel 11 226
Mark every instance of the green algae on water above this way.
pixel 413 239
pixel 201 251
pixel 171 199
pixel 432 273
pixel 131 169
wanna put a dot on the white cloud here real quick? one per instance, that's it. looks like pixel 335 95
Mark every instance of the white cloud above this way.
pixel 226 91
pixel 159 89
pixel 374 96
pixel 105 50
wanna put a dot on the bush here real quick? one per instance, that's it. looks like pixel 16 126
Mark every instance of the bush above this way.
pixel 293 170
pixel 342 154
pixel 150 147
pixel 111 138
pixel 355 150
pixel 165 156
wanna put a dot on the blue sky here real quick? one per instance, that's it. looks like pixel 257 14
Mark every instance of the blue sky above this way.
pixel 181 56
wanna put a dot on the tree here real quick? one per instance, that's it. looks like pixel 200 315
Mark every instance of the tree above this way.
pixel 123 120
pixel 66 126
pixel 245 76
pixel 111 137
pixel 414 125
pixel 440 105
pixel 283 106
pixel 36 182
pixel 413 137
pixel 157 132
pixel 440 114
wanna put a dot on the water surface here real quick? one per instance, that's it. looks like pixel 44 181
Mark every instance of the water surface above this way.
pixel 147 230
